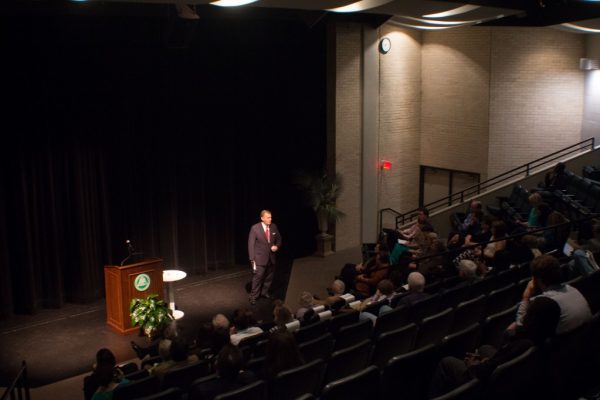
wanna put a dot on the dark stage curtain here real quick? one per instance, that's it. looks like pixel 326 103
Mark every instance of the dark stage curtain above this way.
pixel 118 136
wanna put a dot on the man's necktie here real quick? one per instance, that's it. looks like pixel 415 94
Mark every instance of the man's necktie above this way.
pixel 267 233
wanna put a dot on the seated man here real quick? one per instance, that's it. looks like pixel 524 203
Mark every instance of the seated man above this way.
pixel 539 324
pixel 243 326
pixel 546 278
pixel 336 289
pixel 416 286
pixel 179 357
pixel 423 224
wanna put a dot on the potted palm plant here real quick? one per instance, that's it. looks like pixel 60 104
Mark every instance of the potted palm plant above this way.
pixel 321 191
pixel 151 314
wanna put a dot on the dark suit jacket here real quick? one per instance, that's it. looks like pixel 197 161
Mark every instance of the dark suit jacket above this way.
pixel 259 250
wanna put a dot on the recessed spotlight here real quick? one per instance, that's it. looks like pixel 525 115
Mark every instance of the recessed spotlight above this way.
pixel 232 3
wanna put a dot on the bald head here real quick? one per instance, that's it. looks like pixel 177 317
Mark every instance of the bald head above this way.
pixel 416 282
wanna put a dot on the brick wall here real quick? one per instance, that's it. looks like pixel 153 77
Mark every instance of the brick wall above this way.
pixel 455 103
pixel 400 118
pixel 536 94
pixel 478 99
pixel 348 131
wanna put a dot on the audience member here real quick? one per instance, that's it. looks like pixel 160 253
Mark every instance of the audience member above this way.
pixel 349 271
pixel 539 324
pixel 546 278
pixel 230 375
pixel 282 353
pixel 416 287
pixel 498 232
pixel 423 224
pixel 335 291
pixel 243 326
pixel 306 302
pixel 281 316
pixel 91 382
pixel 366 283
pixel 178 357
pixel 108 379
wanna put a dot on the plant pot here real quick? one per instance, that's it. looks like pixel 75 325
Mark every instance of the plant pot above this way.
pixel 324 245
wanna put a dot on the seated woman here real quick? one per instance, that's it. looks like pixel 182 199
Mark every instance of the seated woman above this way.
pixel 366 282
pixel 282 353
pixel 108 380
pixel 243 326
pixel 498 232
pixel 91 383
pixel 350 271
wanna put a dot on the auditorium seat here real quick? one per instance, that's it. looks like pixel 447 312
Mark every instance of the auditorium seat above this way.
pixel 485 285
pixel 494 327
pixel 434 328
pixel 513 379
pixel 128 368
pixel 255 364
pixel 342 319
pixel 589 287
pixel 451 297
pixel 193 393
pixel 391 320
pixel 295 382
pixel 348 361
pixel 321 347
pixel 254 391
pixel 407 376
pixel 167 394
pixel 467 391
pixel 564 357
pixel 352 334
pixel 139 374
pixel 468 313
pixel 183 377
pixel 424 308
pixel 458 343
pixel 394 343
pixel 139 388
pixel 312 331
pixel 360 385
pixel 500 299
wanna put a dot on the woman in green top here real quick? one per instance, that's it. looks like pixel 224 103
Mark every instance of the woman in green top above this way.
pixel 108 380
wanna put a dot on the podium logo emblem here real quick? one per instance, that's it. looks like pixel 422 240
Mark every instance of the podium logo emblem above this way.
pixel 142 282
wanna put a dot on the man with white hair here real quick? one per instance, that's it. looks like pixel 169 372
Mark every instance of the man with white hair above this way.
pixel 336 290
pixel 467 270
pixel 416 286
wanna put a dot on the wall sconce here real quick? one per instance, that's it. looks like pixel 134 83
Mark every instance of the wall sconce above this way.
pixel 384 164
pixel 588 64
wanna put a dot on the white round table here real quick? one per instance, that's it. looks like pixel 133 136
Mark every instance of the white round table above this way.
pixel 170 276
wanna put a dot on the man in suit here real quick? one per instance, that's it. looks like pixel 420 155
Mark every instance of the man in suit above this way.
pixel 264 241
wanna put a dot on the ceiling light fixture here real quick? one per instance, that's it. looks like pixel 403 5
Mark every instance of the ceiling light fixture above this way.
pixel 455 11
pixel 359 6
pixel 580 28
pixel 232 3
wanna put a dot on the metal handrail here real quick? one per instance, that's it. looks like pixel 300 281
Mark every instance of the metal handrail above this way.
pixel 19 385
pixel 402 218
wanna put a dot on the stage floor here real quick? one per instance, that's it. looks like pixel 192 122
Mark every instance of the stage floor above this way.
pixel 61 344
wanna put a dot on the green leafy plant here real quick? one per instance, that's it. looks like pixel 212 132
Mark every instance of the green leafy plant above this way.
pixel 151 314
pixel 321 191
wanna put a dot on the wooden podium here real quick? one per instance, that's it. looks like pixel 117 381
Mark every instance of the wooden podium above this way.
pixel 123 283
